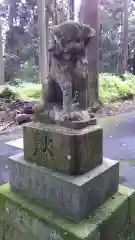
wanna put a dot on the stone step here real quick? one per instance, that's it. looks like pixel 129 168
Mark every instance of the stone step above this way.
pixel 18 143
pixel 73 196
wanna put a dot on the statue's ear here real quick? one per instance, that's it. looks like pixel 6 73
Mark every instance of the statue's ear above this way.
pixel 55 43
pixel 55 30
pixel 51 45
pixel 87 33
pixel 54 39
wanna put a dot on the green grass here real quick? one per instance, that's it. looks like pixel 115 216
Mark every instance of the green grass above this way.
pixel 28 90
pixel 111 88
pixel 25 91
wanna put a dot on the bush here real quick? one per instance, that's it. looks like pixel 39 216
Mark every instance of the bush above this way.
pixel 112 88
pixel 8 94
pixel 23 91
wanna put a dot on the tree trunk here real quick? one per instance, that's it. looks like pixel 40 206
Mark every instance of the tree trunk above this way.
pixel 120 54
pixel 1 59
pixel 61 13
pixel 72 9
pixel 54 20
pixel 123 50
pixel 90 16
pixel 125 40
pixel 12 13
pixel 100 49
pixel 134 63
pixel 43 44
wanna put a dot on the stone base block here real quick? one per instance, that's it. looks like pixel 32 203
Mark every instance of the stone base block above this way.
pixel 21 218
pixel 71 151
pixel 74 197
pixel 130 193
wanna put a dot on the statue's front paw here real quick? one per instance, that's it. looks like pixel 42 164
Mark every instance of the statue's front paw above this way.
pixel 38 108
pixel 72 116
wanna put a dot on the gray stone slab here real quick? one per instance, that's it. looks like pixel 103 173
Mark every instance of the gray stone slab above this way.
pixel 18 143
pixel 73 196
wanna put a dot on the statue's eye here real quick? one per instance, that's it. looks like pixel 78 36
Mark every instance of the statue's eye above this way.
pixel 78 40
pixel 66 56
pixel 69 39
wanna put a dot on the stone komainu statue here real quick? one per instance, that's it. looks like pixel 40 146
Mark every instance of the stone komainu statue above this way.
pixel 68 75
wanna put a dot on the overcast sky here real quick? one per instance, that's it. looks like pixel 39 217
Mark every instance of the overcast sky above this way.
pixel 77 4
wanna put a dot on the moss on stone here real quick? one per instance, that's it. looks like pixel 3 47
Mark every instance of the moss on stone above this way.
pixel 128 233
pixel 106 222
pixel 112 217
pixel 130 193
pixel 66 228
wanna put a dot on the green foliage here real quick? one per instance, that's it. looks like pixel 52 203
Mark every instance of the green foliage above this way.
pixel 21 34
pixel 111 21
pixel 23 91
pixel 112 32
pixel 112 88
pixel 8 94
pixel 15 82
pixel 28 91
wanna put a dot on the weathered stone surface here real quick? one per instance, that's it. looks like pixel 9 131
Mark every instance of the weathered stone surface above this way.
pixel 130 193
pixel 44 118
pixel 17 224
pixel 74 196
pixel 28 220
pixel 71 151
pixel 67 85
pixel 79 124
pixel 23 118
pixel 112 217
pixel 107 222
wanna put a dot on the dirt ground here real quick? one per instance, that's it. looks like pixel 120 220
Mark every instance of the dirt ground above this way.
pixel 8 123
pixel 116 108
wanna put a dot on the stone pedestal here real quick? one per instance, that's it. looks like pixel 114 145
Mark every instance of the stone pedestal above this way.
pixel 63 168
pixel 73 196
pixel 72 151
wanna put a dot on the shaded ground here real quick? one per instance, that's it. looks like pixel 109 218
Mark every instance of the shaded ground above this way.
pixel 116 108
pixel 14 113
pixel 5 152
pixel 119 144
pixel 9 112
